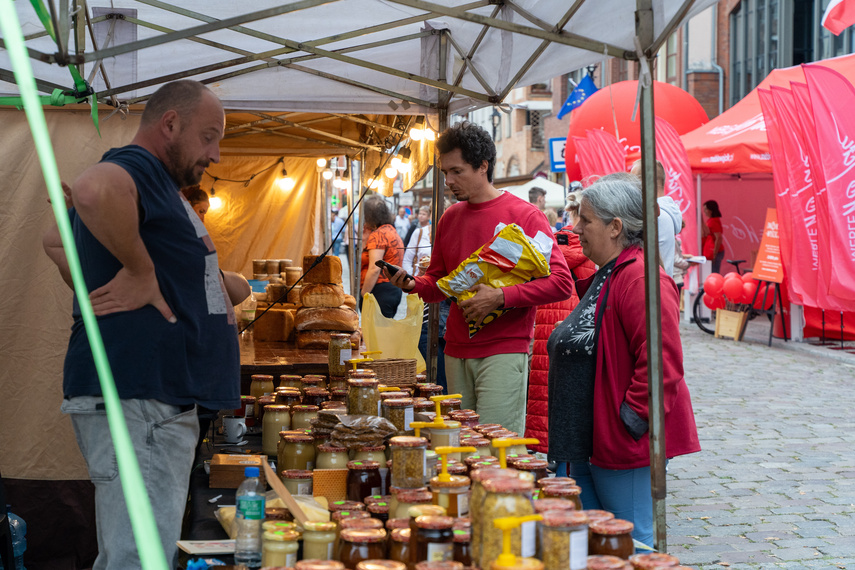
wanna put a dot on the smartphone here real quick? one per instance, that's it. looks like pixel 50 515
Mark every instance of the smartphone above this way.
pixel 392 269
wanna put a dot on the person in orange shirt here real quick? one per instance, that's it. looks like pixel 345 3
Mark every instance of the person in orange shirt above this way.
pixel 381 242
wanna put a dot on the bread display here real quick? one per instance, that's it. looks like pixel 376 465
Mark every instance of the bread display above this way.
pixel 350 301
pixel 270 326
pixel 326 319
pixel 320 339
pixel 327 271
pixel 322 295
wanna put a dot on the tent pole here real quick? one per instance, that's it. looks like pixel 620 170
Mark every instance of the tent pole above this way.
pixel 357 180
pixel 644 33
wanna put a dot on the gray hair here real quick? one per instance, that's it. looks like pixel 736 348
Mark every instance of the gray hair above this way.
pixel 618 195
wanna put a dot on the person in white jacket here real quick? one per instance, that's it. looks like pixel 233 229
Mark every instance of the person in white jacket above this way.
pixel 669 221
pixel 419 244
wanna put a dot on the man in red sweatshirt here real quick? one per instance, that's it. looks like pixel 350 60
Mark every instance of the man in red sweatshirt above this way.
pixel 490 369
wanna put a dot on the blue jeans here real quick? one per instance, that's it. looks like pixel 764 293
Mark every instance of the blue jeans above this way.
pixel 624 492
pixel 163 437
pixel 444 307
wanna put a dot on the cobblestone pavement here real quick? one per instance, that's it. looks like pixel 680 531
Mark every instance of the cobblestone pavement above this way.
pixel 774 486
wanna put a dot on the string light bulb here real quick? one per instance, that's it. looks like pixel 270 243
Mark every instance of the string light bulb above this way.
pixel 214 202
pixel 321 162
pixel 327 174
pixel 391 172
pixel 286 183
pixel 417 130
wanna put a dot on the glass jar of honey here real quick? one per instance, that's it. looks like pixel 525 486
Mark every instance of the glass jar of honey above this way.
pixel 506 497
pixel 279 548
pixel 399 411
pixel 451 494
pixel 316 396
pixel 276 419
pixel 318 540
pixel 462 549
pixel 371 453
pixel 298 482
pixel 612 537
pixel 358 545
pixel 408 461
pixel 290 381
pixel 434 541
pixel 296 452
pixel 340 351
pixel 399 545
pixel 564 540
pixel 261 385
pixel 331 457
pixel 653 561
pixel 363 396
pixel 566 492
pixel 302 416
pixel 363 480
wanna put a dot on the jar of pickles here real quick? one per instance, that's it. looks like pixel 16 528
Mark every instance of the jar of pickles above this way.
pixel 261 385
pixel 451 494
pixel 399 545
pixel 506 497
pixel 276 419
pixel 363 479
pixel 434 540
pixel 612 537
pixel 564 540
pixel 358 545
pixel 408 461
pixel 331 457
pixel 302 416
pixel 363 396
pixel 318 540
pixel 290 381
pixel 296 452
pixel 279 548
pixel 399 411
pixel 340 352
pixel 653 561
pixel 297 481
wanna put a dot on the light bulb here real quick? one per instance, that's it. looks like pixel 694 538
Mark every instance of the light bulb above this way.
pixel 404 167
pixel 430 135
pixel 374 184
pixel 395 163
pixel 416 134
pixel 327 174
pixel 214 202
pixel 391 172
pixel 322 162
pixel 285 184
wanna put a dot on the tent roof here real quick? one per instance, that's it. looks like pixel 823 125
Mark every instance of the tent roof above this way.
pixel 735 141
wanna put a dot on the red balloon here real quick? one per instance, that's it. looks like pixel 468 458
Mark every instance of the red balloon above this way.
pixel 747 277
pixel 733 289
pixel 713 284
pixel 764 290
pixel 732 275
pixel 714 303
pixel 748 290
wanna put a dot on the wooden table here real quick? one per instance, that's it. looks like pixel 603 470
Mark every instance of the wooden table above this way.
pixel 277 358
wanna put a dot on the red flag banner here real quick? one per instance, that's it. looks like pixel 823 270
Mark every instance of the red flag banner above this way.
pixel 781 183
pixel 678 179
pixel 832 100
pixel 839 15
pixel 611 154
pixel 587 160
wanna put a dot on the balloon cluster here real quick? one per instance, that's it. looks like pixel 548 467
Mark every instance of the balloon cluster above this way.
pixel 737 289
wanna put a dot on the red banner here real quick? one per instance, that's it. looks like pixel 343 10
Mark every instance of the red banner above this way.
pixel 768 266
pixel 832 100
pixel 781 182
pixel 587 162
pixel 611 154
pixel 678 179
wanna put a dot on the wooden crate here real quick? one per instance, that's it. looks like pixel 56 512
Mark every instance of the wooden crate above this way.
pixel 730 324
pixel 227 470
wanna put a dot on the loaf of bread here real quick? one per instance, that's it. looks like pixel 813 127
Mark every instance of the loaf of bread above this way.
pixel 350 301
pixel 288 325
pixel 271 326
pixel 327 271
pixel 320 339
pixel 322 295
pixel 294 295
pixel 326 319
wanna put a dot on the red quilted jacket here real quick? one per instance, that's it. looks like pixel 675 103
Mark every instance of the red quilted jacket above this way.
pixel 537 416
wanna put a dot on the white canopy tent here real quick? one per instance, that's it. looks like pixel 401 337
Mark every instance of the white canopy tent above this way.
pixel 341 57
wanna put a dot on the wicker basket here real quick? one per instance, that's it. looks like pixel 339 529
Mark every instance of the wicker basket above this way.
pixel 394 371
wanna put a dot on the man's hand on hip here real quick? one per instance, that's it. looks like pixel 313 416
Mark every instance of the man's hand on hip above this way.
pixel 486 299
pixel 127 292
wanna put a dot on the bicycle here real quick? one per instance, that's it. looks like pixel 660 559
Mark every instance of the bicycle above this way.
pixel 703 322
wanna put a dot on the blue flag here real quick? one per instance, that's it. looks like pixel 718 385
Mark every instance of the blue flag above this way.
pixel 583 90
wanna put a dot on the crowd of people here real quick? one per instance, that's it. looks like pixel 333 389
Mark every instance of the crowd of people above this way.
pixel 168 328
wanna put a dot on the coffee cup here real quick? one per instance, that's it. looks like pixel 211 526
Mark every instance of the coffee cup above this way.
pixel 234 428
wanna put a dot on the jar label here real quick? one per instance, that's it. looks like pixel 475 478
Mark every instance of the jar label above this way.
pixel 462 504
pixel 291 559
pixel 344 355
pixel 440 551
pixel 409 417
pixel 579 549
pixel 375 490
pixel 310 465
pixel 251 508
pixel 330 550
pixel 304 488
pixel 528 539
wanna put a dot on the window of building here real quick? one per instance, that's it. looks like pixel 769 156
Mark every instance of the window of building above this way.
pixel 535 120
pixel 671 59
pixel 508 124
pixel 541 89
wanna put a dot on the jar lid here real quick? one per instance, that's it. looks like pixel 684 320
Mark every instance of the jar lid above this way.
pixel 339 516
pixel 456 468
pixel 430 389
pixel 596 515
pixel 461 535
pixel 653 560
pixel 346 506
pixel 281 535
pixel 494 435
pixel 398 402
pixel 454 481
pixel 377 499
pixel 614 526
pixel 340 336
pixel 462 523
pixel 446 565
pixel 363 382
pixel 395 491
pixel 334 405
pixel 363 535
pixel 330 448
pixel 298 438
pixel 358 371
pixel 380 565
pixel 276 408
pixel 531 464
pixel 426 511
pixel 380 508
pixel 564 518
pixel 399 523
pixel 297 474
pixel 363 465
pixel 545 505
pixel 339 391
pixel 394 395
pixel 321 376
pixel 247 398
pixel 400 534
pixel 479 441
pixel 265 399
pixel 304 408
pixel 408 441
pixel 473 459
pixel 487 427
pixel 277 525
pixel 424 405
pixel 414 496
pixel 371 448
pixel 262 377
pixel 563 490
pixel 507 485
pixel 315 391
pixel 450 401
pixel 317 526
pixel 319 565
pixel 312 381
pixel 434 522
pixel 353 522
pixel 556 481
pixel 605 562
pixel 290 377
pixel 493 473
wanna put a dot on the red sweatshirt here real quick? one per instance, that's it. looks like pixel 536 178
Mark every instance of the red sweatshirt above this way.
pixel 463 229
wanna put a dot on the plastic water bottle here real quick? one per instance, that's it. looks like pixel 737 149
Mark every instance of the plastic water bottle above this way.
pixel 248 516
pixel 19 540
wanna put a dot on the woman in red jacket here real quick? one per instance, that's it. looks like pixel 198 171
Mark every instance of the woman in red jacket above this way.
pixel 598 364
